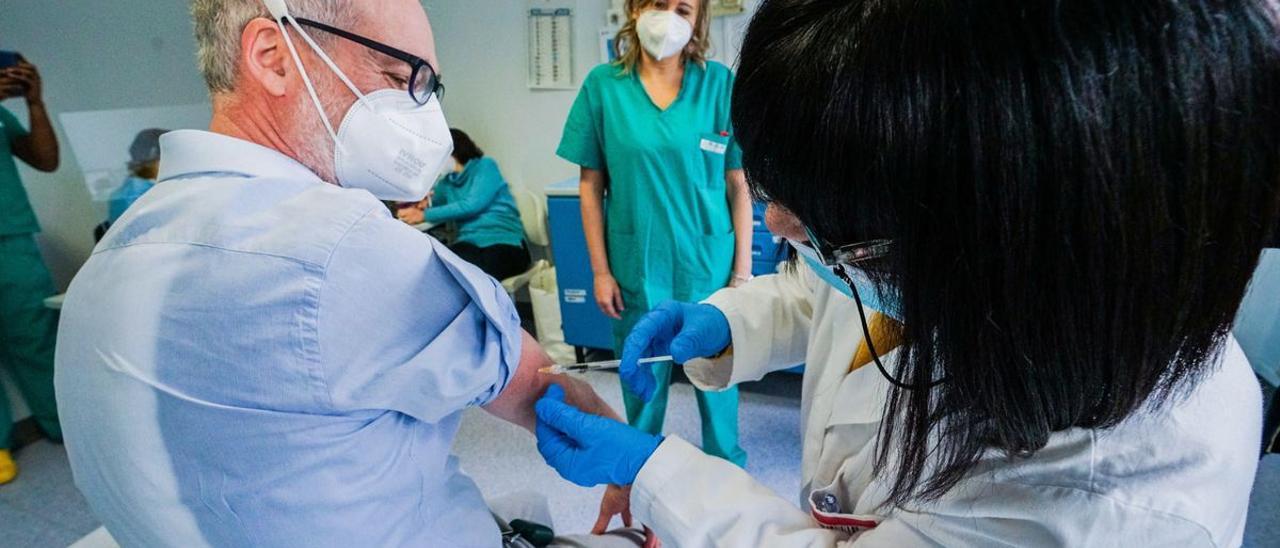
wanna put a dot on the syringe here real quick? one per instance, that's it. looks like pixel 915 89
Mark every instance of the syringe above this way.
pixel 560 369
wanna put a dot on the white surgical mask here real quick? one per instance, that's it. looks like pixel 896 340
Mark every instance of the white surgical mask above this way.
pixel 387 144
pixel 663 33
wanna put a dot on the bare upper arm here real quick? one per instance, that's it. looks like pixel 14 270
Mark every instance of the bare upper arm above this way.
pixel 515 403
pixel 737 181
pixel 594 177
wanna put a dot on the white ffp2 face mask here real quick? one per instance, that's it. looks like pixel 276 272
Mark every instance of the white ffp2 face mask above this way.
pixel 663 33
pixel 387 143
pixel 391 146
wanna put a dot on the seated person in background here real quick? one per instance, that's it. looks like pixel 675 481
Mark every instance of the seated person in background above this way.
pixel 144 164
pixel 475 196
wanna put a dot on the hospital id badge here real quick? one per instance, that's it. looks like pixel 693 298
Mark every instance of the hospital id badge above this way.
pixel 824 507
pixel 714 147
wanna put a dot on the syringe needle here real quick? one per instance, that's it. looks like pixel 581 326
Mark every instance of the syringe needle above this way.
pixel 560 369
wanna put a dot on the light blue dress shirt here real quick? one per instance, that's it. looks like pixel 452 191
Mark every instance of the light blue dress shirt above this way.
pixel 253 357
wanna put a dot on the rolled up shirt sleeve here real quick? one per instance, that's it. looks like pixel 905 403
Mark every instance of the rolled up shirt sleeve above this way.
pixel 404 325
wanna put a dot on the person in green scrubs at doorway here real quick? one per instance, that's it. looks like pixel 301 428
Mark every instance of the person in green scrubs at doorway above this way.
pixel 665 204
pixel 27 328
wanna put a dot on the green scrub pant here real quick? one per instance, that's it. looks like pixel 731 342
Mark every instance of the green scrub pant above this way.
pixel 27 333
pixel 719 410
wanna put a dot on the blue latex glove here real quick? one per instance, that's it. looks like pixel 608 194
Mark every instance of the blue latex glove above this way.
pixel 685 331
pixel 586 449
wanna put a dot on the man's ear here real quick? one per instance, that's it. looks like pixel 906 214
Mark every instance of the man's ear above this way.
pixel 266 56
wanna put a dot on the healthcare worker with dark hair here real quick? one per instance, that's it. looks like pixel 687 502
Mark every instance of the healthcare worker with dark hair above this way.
pixel 27 329
pixel 1061 222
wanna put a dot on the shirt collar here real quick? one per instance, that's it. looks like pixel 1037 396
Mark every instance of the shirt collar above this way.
pixel 192 152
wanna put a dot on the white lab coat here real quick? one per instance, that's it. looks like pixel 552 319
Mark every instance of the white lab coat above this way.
pixel 1179 476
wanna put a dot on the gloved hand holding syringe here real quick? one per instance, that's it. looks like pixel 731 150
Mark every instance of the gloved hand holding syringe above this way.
pixel 607 365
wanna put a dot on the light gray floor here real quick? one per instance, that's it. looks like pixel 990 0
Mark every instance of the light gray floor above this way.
pixel 42 508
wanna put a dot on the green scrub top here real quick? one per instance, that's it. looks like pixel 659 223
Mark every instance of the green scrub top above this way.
pixel 669 227
pixel 16 216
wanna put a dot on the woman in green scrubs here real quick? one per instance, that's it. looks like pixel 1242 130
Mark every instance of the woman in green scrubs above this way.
pixel 665 205
pixel 27 328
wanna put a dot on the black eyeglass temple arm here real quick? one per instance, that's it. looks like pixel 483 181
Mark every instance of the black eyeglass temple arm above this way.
pixel 371 44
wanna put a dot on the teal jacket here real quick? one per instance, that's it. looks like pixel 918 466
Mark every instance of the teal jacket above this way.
pixel 480 202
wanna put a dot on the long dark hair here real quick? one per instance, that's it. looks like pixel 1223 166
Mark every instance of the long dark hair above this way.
pixel 1077 193
pixel 464 149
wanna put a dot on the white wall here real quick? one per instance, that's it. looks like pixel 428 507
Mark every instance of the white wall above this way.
pixel 93 56
pixel 482 46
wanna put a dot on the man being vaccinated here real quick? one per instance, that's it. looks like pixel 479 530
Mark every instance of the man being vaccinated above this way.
pixel 257 353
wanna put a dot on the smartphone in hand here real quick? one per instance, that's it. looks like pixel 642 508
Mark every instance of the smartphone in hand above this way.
pixel 9 59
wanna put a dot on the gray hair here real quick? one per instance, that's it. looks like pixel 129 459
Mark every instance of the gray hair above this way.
pixel 219 24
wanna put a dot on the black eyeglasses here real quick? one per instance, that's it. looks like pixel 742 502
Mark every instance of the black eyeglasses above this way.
pixel 423 81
